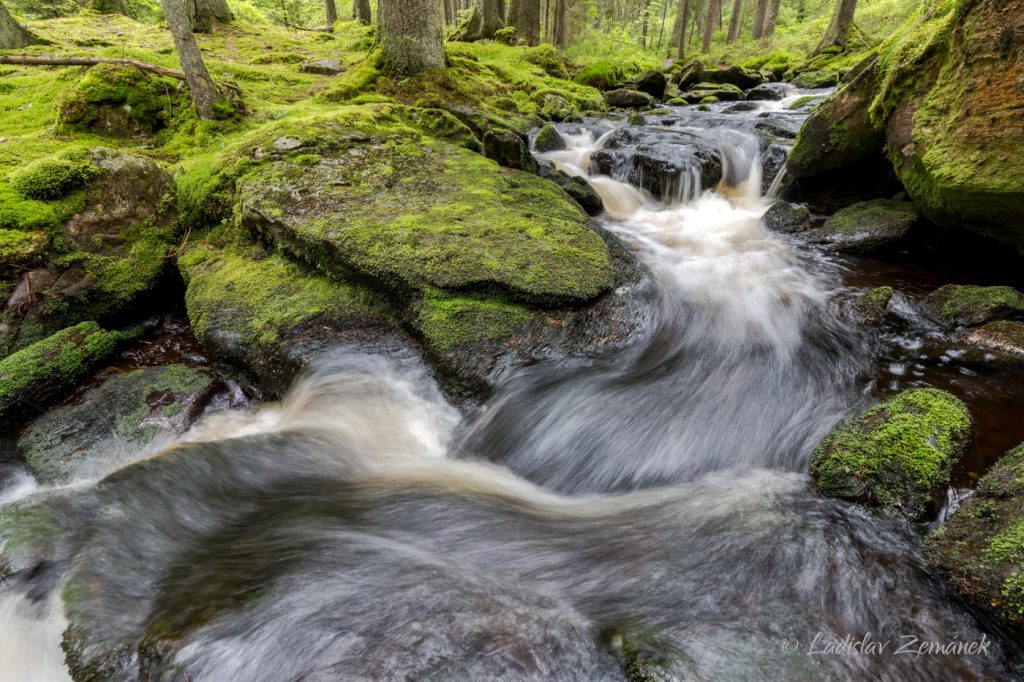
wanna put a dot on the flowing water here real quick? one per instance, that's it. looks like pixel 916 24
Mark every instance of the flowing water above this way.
pixel 648 506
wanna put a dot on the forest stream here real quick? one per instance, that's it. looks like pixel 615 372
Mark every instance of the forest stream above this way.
pixel 648 505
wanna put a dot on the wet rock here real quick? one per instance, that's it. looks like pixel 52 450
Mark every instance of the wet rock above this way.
pixel 813 80
pixel 969 306
pixel 980 550
pixel 897 454
pixel 554 107
pixel 742 78
pixel 787 218
pixel 687 72
pixel 1005 335
pixel 667 163
pixel 115 420
pixel 770 92
pixel 548 140
pixel 742 107
pixel 806 103
pixel 778 125
pixel 625 99
pixel 652 82
pixel 701 91
pixel 773 162
pixel 322 67
pixel 576 187
pixel 47 370
pixel 867 226
pixel 113 246
pixel 872 308
pixel 509 150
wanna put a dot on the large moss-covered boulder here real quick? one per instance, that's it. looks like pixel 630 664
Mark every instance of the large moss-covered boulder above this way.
pixel 1005 335
pixel 35 376
pixel 956 305
pixel 404 212
pixel 112 218
pixel 624 98
pixel 867 226
pixel 897 454
pixel 121 101
pixel 946 106
pixel 115 420
pixel 722 92
pixel 980 550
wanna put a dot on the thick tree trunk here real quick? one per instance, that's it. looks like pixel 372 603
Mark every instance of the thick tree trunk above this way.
pixel 200 85
pixel 411 34
pixel 842 20
pixel 684 18
pixel 771 18
pixel 760 10
pixel 709 24
pixel 12 34
pixel 524 16
pixel 485 19
pixel 330 13
pixel 559 33
pixel 735 21
pixel 361 11
pixel 204 14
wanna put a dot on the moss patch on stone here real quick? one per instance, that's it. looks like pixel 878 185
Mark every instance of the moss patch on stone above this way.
pixel 897 453
pixel 970 306
pixel 54 177
pixel 1004 335
pixel 872 307
pixel 446 321
pixel 120 101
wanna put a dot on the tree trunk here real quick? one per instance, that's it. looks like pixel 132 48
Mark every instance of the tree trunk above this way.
pixel 12 34
pixel 771 18
pixel 709 24
pixel 684 12
pixel 558 35
pixel 200 85
pixel 111 7
pixel 661 31
pixel 524 16
pixel 735 21
pixel 203 14
pixel 330 13
pixel 361 11
pixel 485 19
pixel 759 12
pixel 842 20
pixel 411 34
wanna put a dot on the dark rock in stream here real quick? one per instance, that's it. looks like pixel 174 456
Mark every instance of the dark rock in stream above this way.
pixel 779 125
pixel 1005 336
pixel 770 92
pixel 576 187
pixel 969 306
pixel 871 308
pixel 787 218
pixel 773 162
pixel 652 82
pixel 626 99
pixel 508 148
pixel 548 139
pixel 867 226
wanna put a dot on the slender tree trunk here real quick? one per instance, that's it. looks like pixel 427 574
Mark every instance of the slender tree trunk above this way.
pixel 524 16
pixel 760 9
pixel 559 30
pixel 546 28
pixel 200 85
pixel 361 11
pixel 643 28
pixel 411 34
pixel 684 17
pixel 842 20
pixel 661 31
pixel 735 21
pixel 12 34
pixel 709 24
pixel 698 27
pixel 486 18
pixel 330 13
pixel 771 18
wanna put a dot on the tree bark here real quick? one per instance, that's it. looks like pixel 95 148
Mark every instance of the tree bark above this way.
pixel 524 16
pixel 709 24
pixel 111 7
pixel 32 60
pixel 330 13
pixel 842 20
pixel 204 14
pixel 771 18
pixel 735 21
pixel 12 34
pixel 558 35
pixel 411 34
pixel 485 19
pixel 760 10
pixel 684 11
pixel 661 31
pixel 200 85
pixel 361 11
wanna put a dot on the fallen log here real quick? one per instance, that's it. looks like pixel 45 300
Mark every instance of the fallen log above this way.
pixel 46 60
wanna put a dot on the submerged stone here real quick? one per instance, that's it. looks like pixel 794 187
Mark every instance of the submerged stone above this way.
pixel 980 550
pixel 868 226
pixel 969 306
pixel 897 454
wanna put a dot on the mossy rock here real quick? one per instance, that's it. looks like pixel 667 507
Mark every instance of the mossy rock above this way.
pixel 735 75
pixel 868 226
pixel 603 75
pixel 546 56
pixel 548 140
pixel 970 306
pixel 814 80
pixel 109 234
pixel 980 550
pixel 269 316
pixel 114 420
pixel 702 91
pixel 404 213
pixel 121 101
pixel 897 454
pixel 1005 335
pixel 35 376
pixel 872 308
pixel 54 177
pixel 787 218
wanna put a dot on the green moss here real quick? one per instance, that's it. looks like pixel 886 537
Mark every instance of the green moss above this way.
pixel 447 320
pixel 872 215
pixel 120 100
pixel 19 249
pixel 54 177
pixel 548 140
pixel 897 453
pixel 546 57
pixel 54 363
pixel 972 305
pixel 602 75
